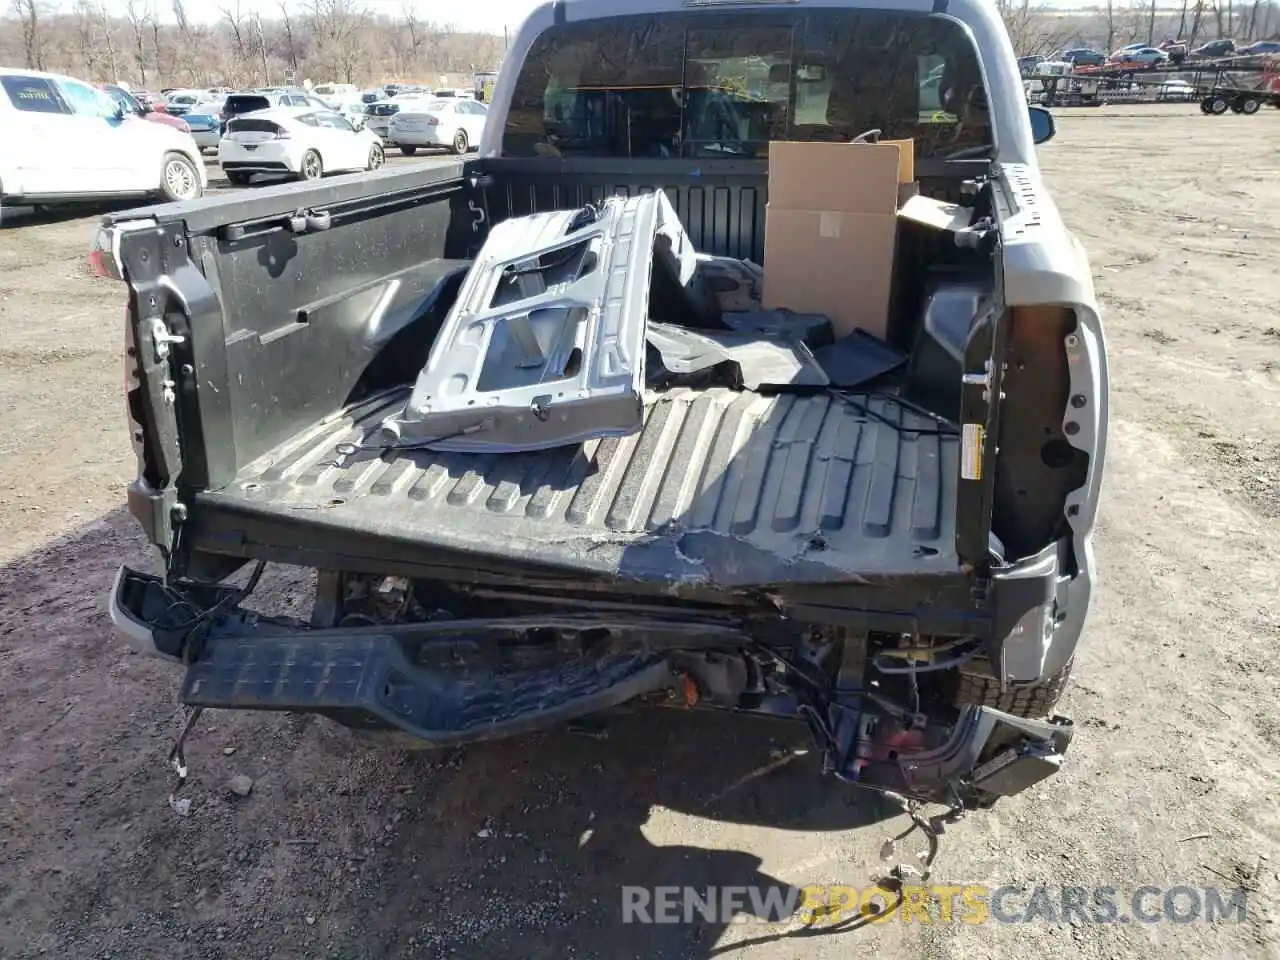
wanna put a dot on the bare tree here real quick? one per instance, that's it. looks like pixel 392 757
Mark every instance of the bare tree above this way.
pixel 85 20
pixel 260 43
pixel 139 17
pixel 106 26
pixel 337 26
pixel 28 13
pixel 1197 18
pixel 158 43
pixel 291 48
pixel 235 20
pixel 180 16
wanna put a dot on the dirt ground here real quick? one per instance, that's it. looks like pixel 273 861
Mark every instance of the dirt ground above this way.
pixel 520 849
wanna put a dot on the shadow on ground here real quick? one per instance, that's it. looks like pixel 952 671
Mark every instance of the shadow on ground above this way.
pixel 343 848
pixel 13 217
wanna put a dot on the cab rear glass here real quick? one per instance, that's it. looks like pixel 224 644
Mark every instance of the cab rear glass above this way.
pixel 703 84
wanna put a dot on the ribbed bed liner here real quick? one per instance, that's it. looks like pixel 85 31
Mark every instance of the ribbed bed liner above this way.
pixel 720 487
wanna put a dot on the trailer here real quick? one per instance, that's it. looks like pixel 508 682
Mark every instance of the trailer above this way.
pixel 1240 84
pixel 1230 89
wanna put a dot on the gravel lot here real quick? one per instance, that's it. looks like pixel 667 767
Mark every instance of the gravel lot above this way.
pixel 520 849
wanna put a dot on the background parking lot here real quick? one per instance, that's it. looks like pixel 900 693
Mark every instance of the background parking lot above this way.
pixel 521 849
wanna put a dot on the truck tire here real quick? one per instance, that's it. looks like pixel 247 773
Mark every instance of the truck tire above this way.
pixel 460 143
pixel 1032 700
pixel 1249 105
pixel 1218 105
pixel 1237 105
pixel 1204 105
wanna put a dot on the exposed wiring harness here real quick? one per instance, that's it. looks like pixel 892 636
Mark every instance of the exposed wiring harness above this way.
pixel 178 601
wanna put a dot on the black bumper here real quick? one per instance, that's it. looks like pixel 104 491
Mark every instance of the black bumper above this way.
pixel 447 683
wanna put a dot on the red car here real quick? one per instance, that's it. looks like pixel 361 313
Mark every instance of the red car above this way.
pixel 130 104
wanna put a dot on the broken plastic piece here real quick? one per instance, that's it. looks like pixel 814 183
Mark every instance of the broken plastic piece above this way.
pixel 858 359
pixel 761 362
pixel 545 344
pixel 812 329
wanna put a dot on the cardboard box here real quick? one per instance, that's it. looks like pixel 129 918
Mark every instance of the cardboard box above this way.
pixel 831 228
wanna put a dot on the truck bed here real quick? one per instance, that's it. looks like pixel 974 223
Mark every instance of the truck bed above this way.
pixel 720 488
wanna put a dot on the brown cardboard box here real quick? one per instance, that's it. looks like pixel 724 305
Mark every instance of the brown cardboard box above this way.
pixel 831 227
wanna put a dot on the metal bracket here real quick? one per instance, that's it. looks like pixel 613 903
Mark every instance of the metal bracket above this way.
pixel 545 345
pixel 162 339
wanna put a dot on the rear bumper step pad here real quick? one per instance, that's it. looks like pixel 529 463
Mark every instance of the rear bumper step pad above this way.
pixel 363 673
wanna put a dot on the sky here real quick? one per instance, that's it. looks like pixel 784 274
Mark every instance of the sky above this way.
pixel 479 15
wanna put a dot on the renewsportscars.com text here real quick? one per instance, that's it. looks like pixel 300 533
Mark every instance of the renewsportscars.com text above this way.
pixel 935 903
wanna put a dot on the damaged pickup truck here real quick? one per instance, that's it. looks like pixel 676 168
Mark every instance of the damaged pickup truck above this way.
pixel 556 432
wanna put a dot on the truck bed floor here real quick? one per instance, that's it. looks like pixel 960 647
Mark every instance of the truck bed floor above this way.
pixel 721 488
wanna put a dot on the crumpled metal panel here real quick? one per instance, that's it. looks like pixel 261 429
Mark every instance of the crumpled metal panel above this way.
pixel 545 346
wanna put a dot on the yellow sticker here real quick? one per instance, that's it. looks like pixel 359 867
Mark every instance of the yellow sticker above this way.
pixel 972 438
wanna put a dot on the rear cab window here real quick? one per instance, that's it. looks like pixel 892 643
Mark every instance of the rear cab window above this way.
pixel 246 103
pixel 703 84
pixel 33 94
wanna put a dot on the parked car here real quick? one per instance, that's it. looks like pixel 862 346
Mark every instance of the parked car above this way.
pixel 66 140
pixel 455 124
pixel 1084 57
pixel 379 113
pixel 299 144
pixel 353 109
pixel 1176 91
pixel 909 588
pixel 1262 46
pixel 206 128
pixel 335 93
pixel 130 105
pixel 1215 48
pixel 1143 56
pixel 184 101
pixel 1027 65
pixel 254 101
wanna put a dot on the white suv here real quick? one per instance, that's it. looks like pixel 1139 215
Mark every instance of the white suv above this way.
pixel 68 141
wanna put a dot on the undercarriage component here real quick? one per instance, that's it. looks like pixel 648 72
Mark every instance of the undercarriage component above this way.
pixel 545 345
pixel 445 680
